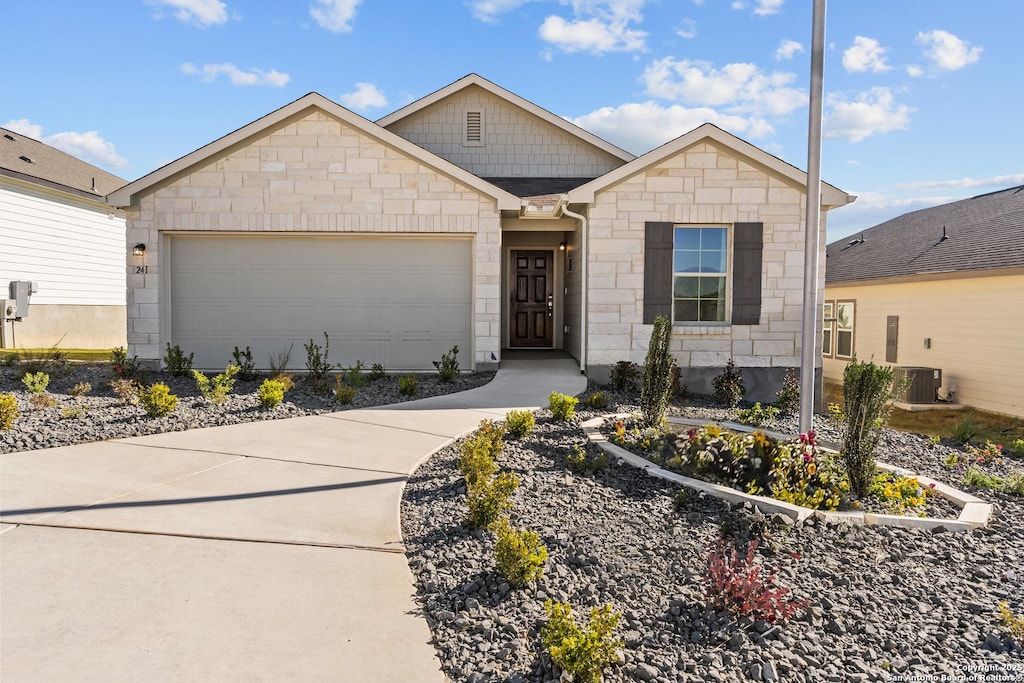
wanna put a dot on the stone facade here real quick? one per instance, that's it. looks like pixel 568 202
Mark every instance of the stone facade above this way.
pixel 313 174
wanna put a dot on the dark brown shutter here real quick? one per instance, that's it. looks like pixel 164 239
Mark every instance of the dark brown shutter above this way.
pixel 657 271
pixel 746 273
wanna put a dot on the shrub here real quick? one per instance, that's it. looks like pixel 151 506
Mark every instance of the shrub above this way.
pixel 128 390
pixel 45 360
pixel 73 412
pixel 788 397
pixel 519 554
pixel 736 584
pixel 580 462
pixel 493 434
pixel 677 389
pixel 625 376
pixel 562 407
pixel 729 389
pixel 597 400
pixel 583 652
pixel 757 415
pixel 899 494
pixel 7 360
pixel 36 382
pixel 646 440
pixel 317 364
pixel 681 501
pixel 246 366
pixel 408 385
pixel 278 362
pixel 1013 624
pixel 1014 485
pixel 176 362
pixel 80 389
pixel 487 500
pixel 124 367
pixel 519 423
pixel 355 376
pixel 835 413
pixel 1018 446
pixel 8 411
pixel 158 400
pixel 478 453
pixel 800 476
pixel 271 392
pixel 866 390
pixel 216 390
pixel 965 431
pixel 377 372
pixel 343 395
pixel 43 400
pixel 657 379
pixel 448 366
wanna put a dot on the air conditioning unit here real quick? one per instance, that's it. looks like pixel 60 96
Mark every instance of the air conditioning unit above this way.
pixel 917 385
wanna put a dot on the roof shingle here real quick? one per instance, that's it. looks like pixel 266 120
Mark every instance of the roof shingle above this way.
pixel 34 161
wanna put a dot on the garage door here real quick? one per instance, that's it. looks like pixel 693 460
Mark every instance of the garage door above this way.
pixel 397 301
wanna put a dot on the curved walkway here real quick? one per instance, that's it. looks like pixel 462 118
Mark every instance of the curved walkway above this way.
pixel 264 551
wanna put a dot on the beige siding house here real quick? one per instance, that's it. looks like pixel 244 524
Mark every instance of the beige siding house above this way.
pixel 938 288
pixel 469 217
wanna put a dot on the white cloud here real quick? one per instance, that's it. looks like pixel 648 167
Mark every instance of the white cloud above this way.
pixel 766 7
pixel 687 29
pixel 210 72
pixel 201 13
pixel 788 48
pixel 865 55
pixel 365 96
pixel 488 10
pixel 914 71
pixel 946 51
pixel 88 146
pixel 995 182
pixel 742 87
pixel 872 113
pixel 334 15
pixel 597 26
pixel 640 127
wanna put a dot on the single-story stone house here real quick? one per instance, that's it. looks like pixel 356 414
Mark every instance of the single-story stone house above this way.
pixel 470 217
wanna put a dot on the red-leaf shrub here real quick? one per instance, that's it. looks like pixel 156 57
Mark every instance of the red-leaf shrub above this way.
pixel 736 584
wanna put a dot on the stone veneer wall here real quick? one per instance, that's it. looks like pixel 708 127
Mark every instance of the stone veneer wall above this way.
pixel 704 184
pixel 312 175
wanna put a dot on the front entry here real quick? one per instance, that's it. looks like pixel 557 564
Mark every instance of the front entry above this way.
pixel 532 315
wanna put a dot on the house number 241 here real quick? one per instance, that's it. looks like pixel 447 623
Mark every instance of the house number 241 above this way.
pixel 141 270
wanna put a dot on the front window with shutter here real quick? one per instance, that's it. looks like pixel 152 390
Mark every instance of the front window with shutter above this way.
pixel 700 273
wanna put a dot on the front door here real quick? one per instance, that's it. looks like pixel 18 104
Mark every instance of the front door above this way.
pixel 532 299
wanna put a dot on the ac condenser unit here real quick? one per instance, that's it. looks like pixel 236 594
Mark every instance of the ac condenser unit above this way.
pixel 917 385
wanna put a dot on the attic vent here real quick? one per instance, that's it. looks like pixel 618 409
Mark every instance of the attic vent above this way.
pixel 474 128
pixel 26 159
pixel 9 136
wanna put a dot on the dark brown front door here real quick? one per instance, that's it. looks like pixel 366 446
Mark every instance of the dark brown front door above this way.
pixel 532 299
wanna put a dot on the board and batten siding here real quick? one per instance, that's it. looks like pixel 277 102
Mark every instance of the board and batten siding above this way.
pixel 976 333
pixel 72 248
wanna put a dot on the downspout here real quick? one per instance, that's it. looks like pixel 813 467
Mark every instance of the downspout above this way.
pixel 583 287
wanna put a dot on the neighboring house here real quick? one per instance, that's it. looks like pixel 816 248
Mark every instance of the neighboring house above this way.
pixel 57 232
pixel 937 288
pixel 471 217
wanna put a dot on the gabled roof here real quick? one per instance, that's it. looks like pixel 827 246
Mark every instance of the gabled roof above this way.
pixel 125 195
pixel 831 196
pixel 981 233
pixel 496 90
pixel 36 162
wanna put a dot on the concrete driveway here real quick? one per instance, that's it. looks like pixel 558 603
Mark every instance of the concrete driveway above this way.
pixel 264 551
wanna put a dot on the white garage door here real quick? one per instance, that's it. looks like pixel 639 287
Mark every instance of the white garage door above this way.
pixel 401 302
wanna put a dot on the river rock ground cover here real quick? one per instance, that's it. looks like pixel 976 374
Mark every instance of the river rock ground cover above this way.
pixel 882 602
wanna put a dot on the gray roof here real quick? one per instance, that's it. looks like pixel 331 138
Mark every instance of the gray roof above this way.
pixel 50 167
pixel 982 233
pixel 532 187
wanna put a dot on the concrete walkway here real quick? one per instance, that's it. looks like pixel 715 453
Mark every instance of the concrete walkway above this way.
pixel 268 551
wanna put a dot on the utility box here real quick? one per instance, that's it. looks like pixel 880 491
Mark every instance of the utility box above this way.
pixel 918 385
pixel 20 291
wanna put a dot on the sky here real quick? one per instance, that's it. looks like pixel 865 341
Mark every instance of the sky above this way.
pixel 923 98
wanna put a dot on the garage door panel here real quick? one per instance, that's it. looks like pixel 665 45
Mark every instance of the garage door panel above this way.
pixel 397 301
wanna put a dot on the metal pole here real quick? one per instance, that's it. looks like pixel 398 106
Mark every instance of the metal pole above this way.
pixel 812 227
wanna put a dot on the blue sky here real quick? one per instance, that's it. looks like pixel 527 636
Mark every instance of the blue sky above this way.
pixel 922 97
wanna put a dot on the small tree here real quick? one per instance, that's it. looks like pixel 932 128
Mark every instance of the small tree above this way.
pixel 866 391
pixel 657 382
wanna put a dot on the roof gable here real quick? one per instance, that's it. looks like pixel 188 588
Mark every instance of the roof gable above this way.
pixel 831 196
pixel 313 101
pixel 36 162
pixel 980 233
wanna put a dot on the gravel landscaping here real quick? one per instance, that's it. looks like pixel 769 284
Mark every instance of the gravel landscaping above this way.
pixel 884 603
pixel 100 414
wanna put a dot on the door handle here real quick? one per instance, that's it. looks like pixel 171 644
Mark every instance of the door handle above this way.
pixel 551 304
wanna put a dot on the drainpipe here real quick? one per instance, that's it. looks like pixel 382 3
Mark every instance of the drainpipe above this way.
pixel 583 288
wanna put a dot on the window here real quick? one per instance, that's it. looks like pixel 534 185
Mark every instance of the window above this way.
pixel 845 319
pixel 700 265
pixel 828 328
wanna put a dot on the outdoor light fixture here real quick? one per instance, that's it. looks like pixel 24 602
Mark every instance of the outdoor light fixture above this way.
pixel 139 249
pixel 561 246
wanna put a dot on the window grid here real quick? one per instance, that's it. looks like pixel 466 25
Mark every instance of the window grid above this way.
pixel 699 274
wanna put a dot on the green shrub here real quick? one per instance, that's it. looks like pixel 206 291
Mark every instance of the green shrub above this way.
pixel 216 390
pixel 625 376
pixel 80 389
pixel 583 652
pixel 246 366
pixel 1013 624
pixel 519 554
pixel 1014 485
pixel 681 501
pixel 677 389
pixel 176 362
pixel 408 385
pixel 158 400
pixel 377 372
pixel 354 375
pixel 448 366
pixel 36 382
pixel 788 397
pixel 729 389
pixel 581 462
pixel 965 431
pixel 597 400
pixel 489 499
pixel 7 360
pixel 343 395
pixel 8 411
pixel 493 434
pixel 73 412
pixel 127 390
pixel 835 413
pixel 271 392
pixel 562 407
pixel 477 462
pixel 317 364
pixel 757 415
pixel 866 390
pixel 519 423
pixel 657 379
pixel 124 367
